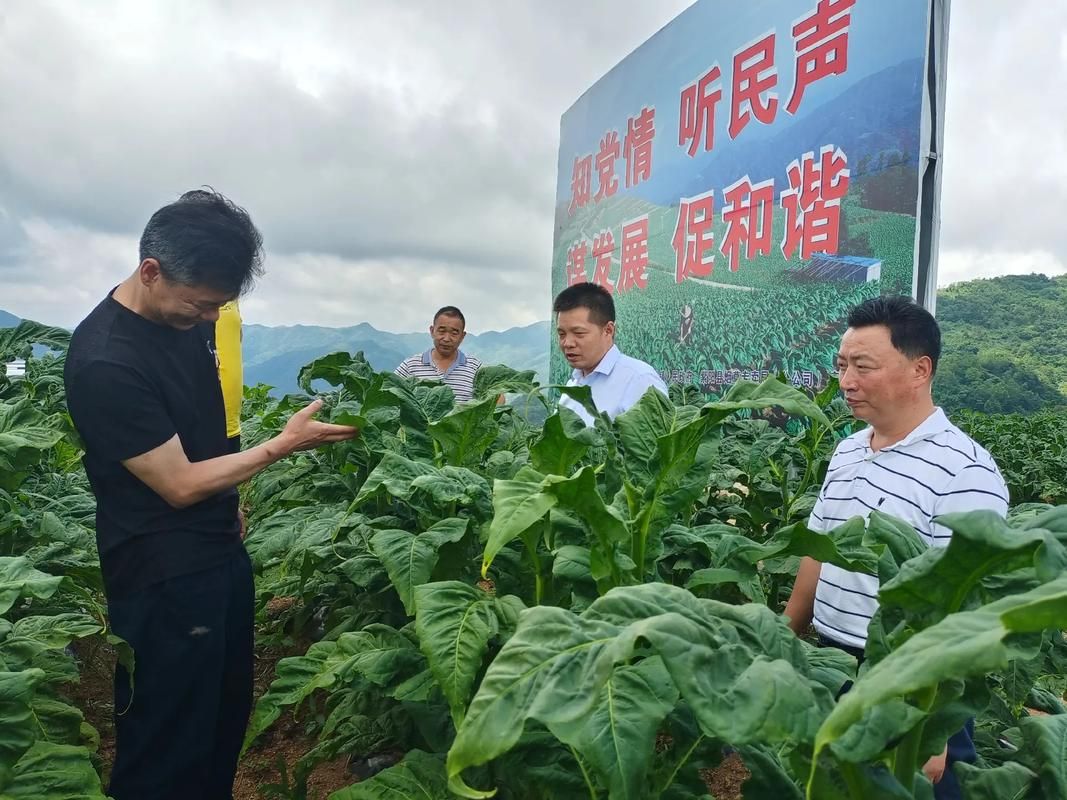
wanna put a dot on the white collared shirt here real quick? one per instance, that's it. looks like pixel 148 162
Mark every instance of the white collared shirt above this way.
pixel 618 382
pixel 936 469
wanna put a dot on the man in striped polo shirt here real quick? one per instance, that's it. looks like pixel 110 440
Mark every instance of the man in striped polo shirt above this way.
pixel 445 362
pixel 910 462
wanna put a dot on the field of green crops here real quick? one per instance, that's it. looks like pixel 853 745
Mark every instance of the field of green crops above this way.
pixel 472 606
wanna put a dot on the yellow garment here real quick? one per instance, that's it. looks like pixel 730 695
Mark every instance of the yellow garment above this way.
pixel 231 374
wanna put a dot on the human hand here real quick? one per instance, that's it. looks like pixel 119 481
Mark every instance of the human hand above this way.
pixel 934 769
pixel 243 523
pixel 304 432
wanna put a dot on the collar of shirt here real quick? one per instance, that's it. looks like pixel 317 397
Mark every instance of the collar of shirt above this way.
pixel 427 361
pixel 936 423
pixel 606 365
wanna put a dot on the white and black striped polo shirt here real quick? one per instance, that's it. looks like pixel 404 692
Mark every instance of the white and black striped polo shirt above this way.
pixel 937 469
pixel 460 376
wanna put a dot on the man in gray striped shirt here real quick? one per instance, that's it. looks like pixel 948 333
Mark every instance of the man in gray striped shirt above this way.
pixel 445 362
pixel 910 462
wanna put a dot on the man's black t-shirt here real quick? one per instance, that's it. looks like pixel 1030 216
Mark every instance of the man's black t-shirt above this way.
pixel 132 385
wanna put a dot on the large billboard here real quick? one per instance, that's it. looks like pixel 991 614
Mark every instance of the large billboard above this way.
pixel 750 173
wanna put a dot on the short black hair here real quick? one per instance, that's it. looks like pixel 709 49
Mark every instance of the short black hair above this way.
pixel 205 239
pixel 913 330
pixel 450 311
pixel 587 295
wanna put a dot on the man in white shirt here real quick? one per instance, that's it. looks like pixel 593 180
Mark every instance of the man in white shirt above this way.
pixel 910 462
pixel 585 324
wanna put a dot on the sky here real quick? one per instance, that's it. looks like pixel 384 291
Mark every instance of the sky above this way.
pixel 400 156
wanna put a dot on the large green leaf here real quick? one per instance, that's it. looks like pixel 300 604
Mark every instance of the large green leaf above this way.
pixel 454 623
pixel 60 723
pixel 410 559
pixel 55 631
pixel 747 582
pixel 579 494
pixel 456 485
pixel 19 579
pixel 53 772
pixel 771 392
pixel 25 434
pixel 420 402
pixel 420 776
pixel 31 636
pixel 667 459
pixel 465 433
pixel 962 644
pixel 1009 781
pixel 845 546
pixel 275 537
pixel 296 678
pixel 618 736
pixel 583 396
pixel 1054 519
pixel 741 671
pixel 517 505
pixel 901 542
pixel 940 581
pixel 769 778
pixel 1045 741
pixel 17 342
pixel 19 729
pixel 494 380
pixel 395 474
pixel 378 653
pixel 338 369
pixel 648 421
pixel 563 441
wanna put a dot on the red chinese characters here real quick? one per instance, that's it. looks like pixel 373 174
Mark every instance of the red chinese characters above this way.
pixel 634 255
pixel 696 116
pixel 606 157
pixel 603 252
pixel 576 263
pixel 812 203
pixel 754 73
pixel 821 46
pixel 694 241
pixel 748 212
pixel 637 148
pixel 581 183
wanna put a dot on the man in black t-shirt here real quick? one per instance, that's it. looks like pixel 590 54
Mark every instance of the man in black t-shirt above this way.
pixel 143 391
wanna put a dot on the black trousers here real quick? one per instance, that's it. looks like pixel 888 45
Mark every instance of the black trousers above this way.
pixel 179 727
pixel 960 744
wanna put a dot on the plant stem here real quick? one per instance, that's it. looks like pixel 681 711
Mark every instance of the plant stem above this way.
pixel 681 763
pixel 850 772
pixel 585 774
pixel 905 759
pixel 539 581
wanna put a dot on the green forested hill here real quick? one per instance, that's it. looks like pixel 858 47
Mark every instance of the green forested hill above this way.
pixel 1005 344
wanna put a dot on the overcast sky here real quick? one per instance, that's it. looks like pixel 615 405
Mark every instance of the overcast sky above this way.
pixel 402 155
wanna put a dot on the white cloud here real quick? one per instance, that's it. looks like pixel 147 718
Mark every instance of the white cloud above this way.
pixel 65 270
pixel 400 156
pixel 965 265
pixel 398 295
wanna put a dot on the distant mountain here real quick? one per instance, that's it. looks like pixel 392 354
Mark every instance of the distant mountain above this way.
pixel 1004 345
pixel 274 355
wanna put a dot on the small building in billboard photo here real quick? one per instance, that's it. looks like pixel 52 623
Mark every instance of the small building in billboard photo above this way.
pixel 842 269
